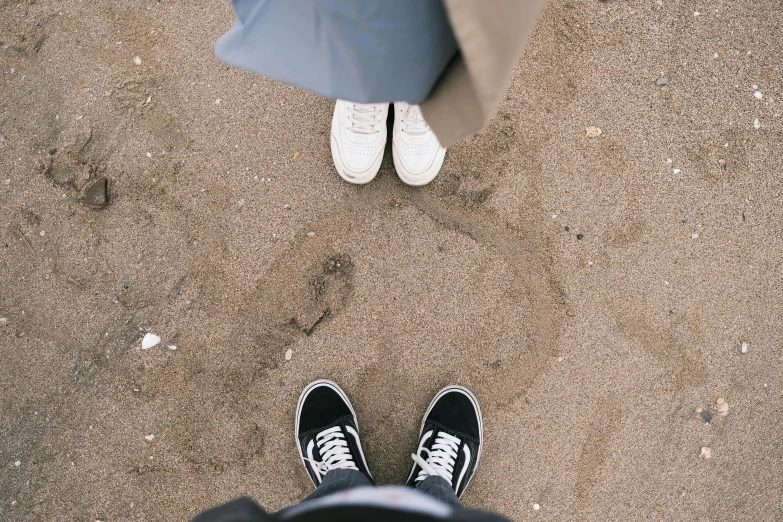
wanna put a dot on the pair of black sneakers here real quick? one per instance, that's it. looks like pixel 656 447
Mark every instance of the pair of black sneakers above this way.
pixel 327 435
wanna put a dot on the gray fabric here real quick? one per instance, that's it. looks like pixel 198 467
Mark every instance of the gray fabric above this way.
pixel 366 51
pixel 338 480
pixel 439 489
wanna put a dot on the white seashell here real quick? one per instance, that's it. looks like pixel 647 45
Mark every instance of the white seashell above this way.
pixel 172 347
pixel 150 340
pixel 756 124
pixel 721 407
pixel 758 95
pixel 592 132
pixel 137 60
pixel 705 452
pixel 745 347
pixel 149 438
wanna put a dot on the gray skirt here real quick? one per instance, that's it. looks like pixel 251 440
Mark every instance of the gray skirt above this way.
pixel 364 51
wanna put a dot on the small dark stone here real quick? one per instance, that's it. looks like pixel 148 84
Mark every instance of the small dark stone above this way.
pixel 566 228
pixel 95 195
pixel 580 236
pixel 706 416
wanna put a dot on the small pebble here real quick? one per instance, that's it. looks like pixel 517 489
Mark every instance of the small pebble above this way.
pixel 676 171
pixel 17 463
pixel 660 82
pixel 79 82
pixel 744 347
pixel 171 347
pixel 149 154
pixel 721 407
pixel 288 354
pixel 217 102
pixel 311 234
pixel 592 132
pixel 755 86
pixel 43 233
pixel 137 60
pixel 705 452
pixel 758 95
pixel 287 206
pixel 95 194
pixel 756 124
pixel 3 320
pixel 668 161
pixel 695 235
pixel 696 13
pixel 149 340
pixel 149 438
pixel 536 507
pixel 297 155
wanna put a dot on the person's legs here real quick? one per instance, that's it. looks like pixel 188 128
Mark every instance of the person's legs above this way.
pixel 338 480
pixel 439 489
pixel 450 444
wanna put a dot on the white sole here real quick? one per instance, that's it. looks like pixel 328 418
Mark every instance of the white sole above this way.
pixel 473 399
pixel 342 394
pixel 358 179
pixel 417 180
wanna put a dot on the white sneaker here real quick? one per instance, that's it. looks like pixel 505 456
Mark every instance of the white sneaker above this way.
pixel 417 153
pixel 358 139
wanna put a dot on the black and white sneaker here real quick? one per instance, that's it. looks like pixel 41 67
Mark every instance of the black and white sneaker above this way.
pixel 450 440
pixel 327 433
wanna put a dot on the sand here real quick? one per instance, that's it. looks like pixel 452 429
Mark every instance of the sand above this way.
pixel 591 297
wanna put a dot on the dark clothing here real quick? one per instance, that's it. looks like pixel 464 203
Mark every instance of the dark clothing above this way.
pixel 346 495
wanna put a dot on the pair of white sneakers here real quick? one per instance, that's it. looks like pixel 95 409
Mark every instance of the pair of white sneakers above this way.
pixel 359 138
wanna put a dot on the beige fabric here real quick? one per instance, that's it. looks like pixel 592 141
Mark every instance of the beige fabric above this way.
pixel 491 35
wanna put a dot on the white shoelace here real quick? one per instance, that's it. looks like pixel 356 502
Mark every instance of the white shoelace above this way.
pixel 335 453
pixel 413 121
pixel 364 118
pixel 440 459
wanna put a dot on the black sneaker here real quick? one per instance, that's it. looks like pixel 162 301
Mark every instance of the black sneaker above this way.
pixel 450 440
pixel 327 433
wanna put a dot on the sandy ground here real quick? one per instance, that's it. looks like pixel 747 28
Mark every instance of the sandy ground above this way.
pixel 594 299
